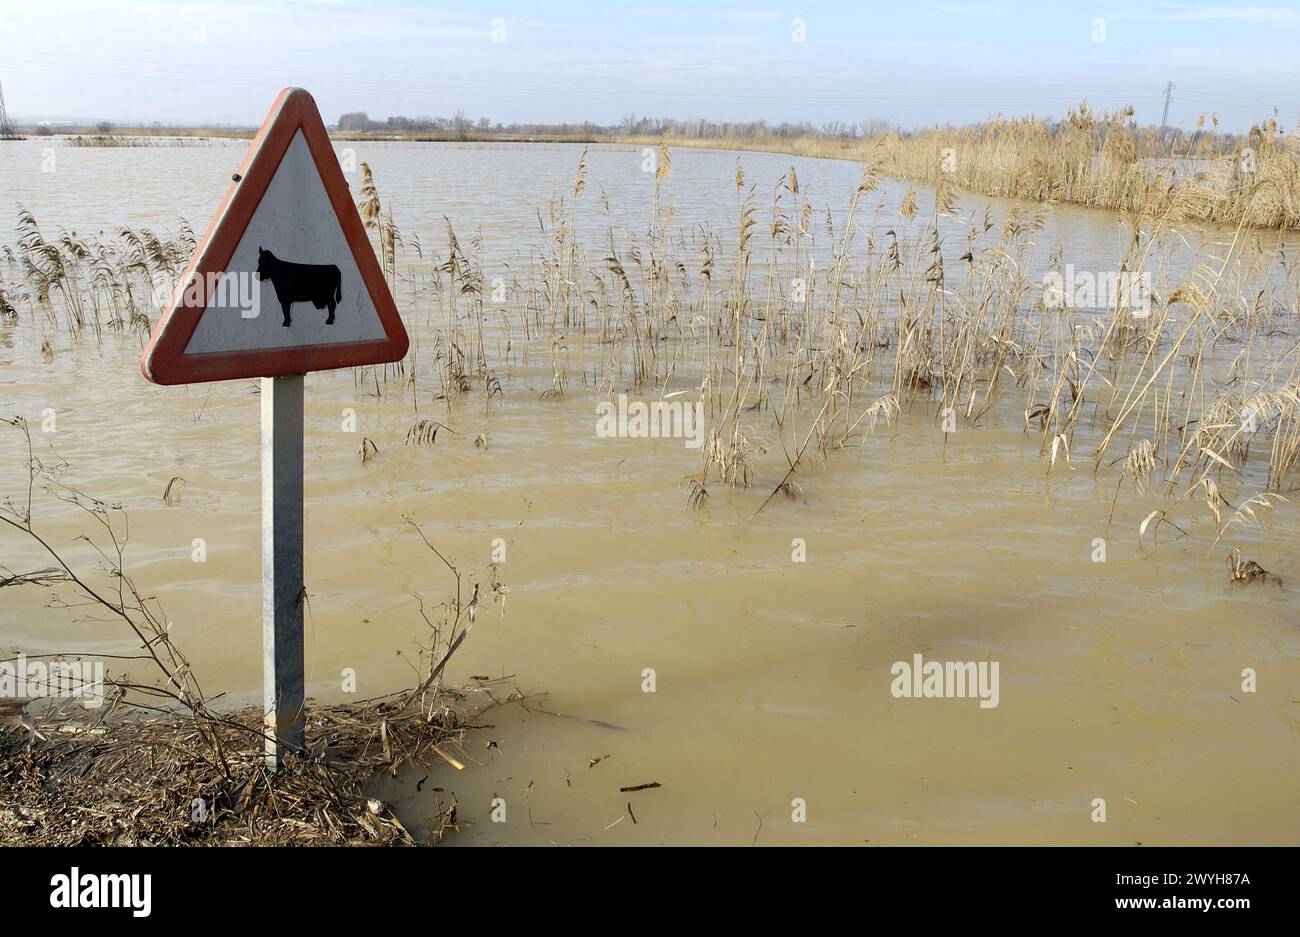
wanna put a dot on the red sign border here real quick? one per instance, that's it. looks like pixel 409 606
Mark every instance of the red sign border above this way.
pixel 164 360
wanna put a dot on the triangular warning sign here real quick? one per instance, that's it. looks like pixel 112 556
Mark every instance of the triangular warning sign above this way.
pixel 285 280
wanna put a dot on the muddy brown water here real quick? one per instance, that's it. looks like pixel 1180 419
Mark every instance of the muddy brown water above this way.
pixel 1119 680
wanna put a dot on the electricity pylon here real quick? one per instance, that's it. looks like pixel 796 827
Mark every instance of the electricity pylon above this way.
pixel 7 131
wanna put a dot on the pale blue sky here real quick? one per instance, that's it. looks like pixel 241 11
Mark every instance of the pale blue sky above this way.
pixel 911 62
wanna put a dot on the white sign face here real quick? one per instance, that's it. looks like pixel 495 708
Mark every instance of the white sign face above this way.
pixel 294 239
pixel 285 280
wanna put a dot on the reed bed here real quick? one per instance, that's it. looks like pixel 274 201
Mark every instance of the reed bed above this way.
pixel 1096 160
pixel 1105 161
pixel 100 141
pixel 801 334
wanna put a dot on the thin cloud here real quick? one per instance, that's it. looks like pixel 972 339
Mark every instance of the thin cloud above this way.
pixel 748 16
pixel 1266 16
pixel 974 9
pixel 735 15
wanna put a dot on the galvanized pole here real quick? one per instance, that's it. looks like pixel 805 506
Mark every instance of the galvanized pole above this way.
pixel 283 597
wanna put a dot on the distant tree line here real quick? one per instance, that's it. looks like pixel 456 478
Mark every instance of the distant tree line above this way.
pixel 460 126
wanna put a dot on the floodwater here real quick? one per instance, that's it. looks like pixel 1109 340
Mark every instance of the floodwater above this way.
pixel 1119 680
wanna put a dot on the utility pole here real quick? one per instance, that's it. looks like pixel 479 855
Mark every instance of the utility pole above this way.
pixel 6 128
pixel 1169 94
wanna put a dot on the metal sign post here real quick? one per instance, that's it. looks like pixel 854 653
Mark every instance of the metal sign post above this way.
pixel 283 595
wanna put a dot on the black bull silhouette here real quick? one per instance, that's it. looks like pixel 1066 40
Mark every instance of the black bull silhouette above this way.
pixel 318 284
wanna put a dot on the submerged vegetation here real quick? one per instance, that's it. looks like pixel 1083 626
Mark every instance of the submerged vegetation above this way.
pixel 801 333
pixel 108 141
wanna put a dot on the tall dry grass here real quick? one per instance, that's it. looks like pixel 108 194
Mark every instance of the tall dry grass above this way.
pixel 1096 160
pixel 795 360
